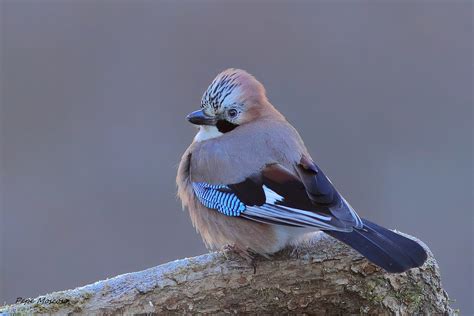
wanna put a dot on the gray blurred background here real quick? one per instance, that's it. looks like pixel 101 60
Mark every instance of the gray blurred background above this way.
pixel 94 95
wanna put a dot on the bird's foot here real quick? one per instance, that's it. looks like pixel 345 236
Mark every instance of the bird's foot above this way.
pixel 295 252
pixel 245 254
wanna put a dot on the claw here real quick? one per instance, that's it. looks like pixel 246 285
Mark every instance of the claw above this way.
pixel 295 252
pixel 254 265
pixel 246 254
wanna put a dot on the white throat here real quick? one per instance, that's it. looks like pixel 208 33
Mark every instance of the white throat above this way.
pixel 207 132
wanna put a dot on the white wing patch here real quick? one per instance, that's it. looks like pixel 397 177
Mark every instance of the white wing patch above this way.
pixel 271 196
pixel 280 214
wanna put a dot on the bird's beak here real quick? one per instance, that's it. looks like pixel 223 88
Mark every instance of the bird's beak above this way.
pixel 200 118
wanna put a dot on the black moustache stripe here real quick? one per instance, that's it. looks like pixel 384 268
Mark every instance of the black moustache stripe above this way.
pixel 224 126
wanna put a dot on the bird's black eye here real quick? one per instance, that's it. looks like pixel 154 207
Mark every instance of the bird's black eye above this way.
pixel 232 113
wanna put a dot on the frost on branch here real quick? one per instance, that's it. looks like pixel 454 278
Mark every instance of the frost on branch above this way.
pixel 323 276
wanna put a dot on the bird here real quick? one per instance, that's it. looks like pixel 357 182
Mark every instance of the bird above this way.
pixel 249 182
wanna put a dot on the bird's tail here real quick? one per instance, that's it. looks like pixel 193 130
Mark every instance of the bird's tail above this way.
pixel 385 248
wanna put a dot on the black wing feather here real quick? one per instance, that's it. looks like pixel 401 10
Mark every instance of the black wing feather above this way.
pixel 250 192
pixel 291 205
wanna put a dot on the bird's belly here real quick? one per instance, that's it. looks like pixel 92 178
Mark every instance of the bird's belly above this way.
pixel 218 230
pixel 292 236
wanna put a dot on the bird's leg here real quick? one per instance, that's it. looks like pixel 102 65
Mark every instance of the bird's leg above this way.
pixel 295 252
pixel 245 254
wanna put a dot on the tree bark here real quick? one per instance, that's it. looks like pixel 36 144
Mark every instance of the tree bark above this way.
pixel 321 276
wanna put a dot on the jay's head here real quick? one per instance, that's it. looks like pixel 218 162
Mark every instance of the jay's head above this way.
pixel 233 98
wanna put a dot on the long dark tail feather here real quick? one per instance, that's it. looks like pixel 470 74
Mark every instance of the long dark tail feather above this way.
pixel 385 248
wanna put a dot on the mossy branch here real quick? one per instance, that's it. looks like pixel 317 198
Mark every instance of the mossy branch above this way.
pixel 322 276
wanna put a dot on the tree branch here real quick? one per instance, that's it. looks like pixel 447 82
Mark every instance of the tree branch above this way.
pixel 322 276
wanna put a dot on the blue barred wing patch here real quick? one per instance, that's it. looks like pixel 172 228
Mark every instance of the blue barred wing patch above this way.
pixel 218 197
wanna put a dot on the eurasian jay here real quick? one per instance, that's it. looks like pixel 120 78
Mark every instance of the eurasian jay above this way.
pixel 248 181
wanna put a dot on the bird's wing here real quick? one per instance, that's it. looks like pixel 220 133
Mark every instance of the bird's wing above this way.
pixel 278 196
